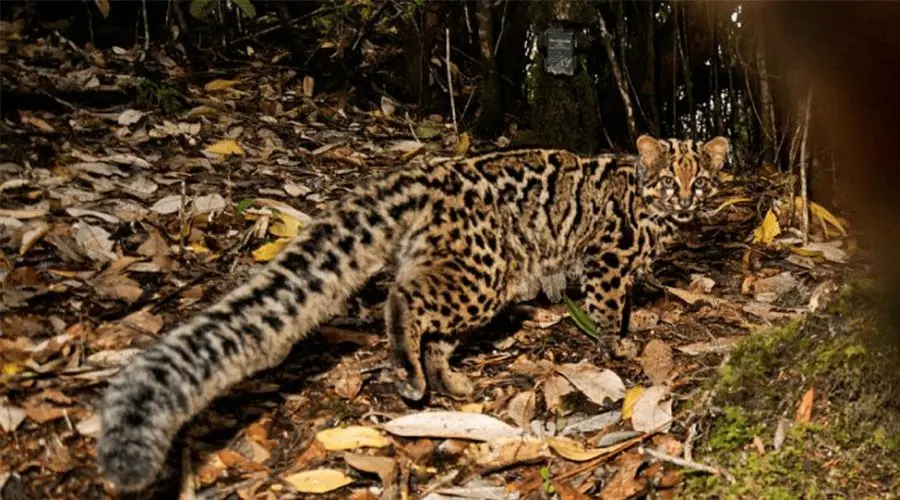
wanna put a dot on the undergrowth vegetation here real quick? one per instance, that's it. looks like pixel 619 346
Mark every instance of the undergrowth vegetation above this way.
pixel 851 443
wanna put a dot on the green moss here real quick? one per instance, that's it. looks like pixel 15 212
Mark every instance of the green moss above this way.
pixel 855 416
pixel 159 95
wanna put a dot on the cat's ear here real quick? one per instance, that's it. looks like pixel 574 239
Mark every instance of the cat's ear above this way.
pixel 650 150
pixel 717 149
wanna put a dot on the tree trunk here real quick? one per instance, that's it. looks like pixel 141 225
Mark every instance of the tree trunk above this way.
pixel 490 120
pixel 648 87
pixel 619 76
pixel 564 109
pixel 766 106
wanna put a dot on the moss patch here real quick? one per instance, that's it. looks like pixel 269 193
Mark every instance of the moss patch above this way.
pixel 850 448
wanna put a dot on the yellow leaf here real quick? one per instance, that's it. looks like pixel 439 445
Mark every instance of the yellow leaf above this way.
pixel 268 251
pixel 768 230
pixel 226 147
pixel 823 215
pixel 631 397
pixel 10 368
pixel 731 201
pixel 219 85
pixel 308 84
pixel 355 436
pixel 575 451
pixel 472 408
pixel 463 146
pixel 198 248
pixel 725 176
pixel 412 152
pixel 286 226
pixel 806 252
pixel 318 480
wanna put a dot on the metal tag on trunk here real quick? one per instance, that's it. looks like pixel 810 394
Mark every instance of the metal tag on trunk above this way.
pixel 560 58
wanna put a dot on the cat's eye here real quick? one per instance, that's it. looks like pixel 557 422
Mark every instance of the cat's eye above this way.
pixel 701 183
pixel 668 182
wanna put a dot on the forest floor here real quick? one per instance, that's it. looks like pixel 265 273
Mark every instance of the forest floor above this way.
pixel 128 204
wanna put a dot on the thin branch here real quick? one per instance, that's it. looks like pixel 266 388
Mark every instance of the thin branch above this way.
pixel 502 27
pixel 146 26
pixel 688 464
pixel 617 73
pixel 450 80
pixel 804 167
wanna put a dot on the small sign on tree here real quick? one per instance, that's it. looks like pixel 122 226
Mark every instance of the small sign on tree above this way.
pixel 560 58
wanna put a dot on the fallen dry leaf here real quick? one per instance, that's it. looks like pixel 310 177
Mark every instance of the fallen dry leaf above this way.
pixel 354 436
pixel 504 452
pixel 521 408
pixel 451 424
pixel 225 147
pixel 598 385
pixel 767 230
pixel 555 388
pixel 11 417
pixel 269 251
pixel 804 410
pixel 624 484
pixel 318 480
pixel 631 397
pixel 347 378
pixel 593 424
pixel 652 410
pixel 384 467
pixel 574 450
pixel 656 361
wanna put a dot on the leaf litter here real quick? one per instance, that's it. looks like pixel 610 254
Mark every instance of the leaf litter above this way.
pixel 120 240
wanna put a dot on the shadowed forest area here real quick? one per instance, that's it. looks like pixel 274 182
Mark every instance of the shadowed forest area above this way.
pixel 155 154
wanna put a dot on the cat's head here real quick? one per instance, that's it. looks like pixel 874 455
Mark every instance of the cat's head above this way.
pixel 680 176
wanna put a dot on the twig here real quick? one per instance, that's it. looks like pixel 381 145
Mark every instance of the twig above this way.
pixel 450 81
pixel 502 28
pixel 688 464
pixel 804 166
pixel 412 130
pixel 617 72
pixel 182 216
pixel 66 104
pixel 373 19
pixel 146 27
pixel 689 442
pixel 90 21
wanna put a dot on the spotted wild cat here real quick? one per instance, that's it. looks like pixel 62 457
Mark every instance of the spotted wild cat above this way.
pixel 465 238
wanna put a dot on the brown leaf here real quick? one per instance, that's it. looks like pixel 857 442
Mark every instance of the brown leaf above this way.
pixel 118 286
pixel 804 410
pixel 156 248
pixel 507 451
pixel 521 408
pixel 347 378
pixel 656 361
pixel 624 484
pixel 598 385
pixel 566 492
pixel 234 460
pixel 384 467
pixel 668 444
pixel 554 390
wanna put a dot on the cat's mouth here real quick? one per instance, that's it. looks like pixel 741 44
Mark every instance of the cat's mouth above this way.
pixel 682 216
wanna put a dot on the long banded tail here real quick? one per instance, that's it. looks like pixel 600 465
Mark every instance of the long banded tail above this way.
pixel 250 329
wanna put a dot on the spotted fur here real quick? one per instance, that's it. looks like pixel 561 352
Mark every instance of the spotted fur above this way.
pixel 464 238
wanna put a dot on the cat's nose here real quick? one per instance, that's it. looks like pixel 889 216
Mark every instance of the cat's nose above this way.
pixel 684 202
